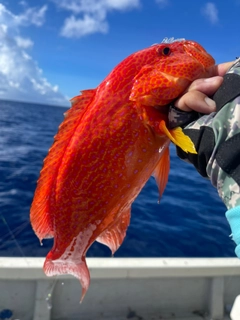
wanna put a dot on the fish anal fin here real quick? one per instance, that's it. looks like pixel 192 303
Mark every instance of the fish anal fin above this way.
pixel 161 172
pixel 177 136
pixel 40 218
pixel 114 235
pixel 40 213
pixel 77 269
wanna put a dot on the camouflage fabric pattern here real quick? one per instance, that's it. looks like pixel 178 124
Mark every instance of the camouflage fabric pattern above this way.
pixel 225 124
pixel 179 118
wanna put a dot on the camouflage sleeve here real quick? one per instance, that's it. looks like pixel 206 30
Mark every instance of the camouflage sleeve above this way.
pixel 179 118
pixel 217 140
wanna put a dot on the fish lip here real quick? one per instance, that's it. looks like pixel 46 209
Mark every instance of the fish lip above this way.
pixel 190 46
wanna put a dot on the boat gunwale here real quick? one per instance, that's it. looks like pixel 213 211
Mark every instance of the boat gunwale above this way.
pixel 109 268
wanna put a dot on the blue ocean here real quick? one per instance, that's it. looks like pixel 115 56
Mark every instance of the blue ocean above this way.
pixel 189 221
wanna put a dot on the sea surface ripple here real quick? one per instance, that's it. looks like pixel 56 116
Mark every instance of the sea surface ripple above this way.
pixel 189 221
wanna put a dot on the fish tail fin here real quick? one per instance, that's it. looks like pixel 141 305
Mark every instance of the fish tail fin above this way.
pixel 79 270
pixel 177 136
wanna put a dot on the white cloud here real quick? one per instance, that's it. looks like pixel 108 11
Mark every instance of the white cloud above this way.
pixel 23 3
pixel 211 12
pixel 23 42
pixel 90 16
pixel 162 3
pixel 30 16
pixel 20 77
pixel 96 6
pixel 80 27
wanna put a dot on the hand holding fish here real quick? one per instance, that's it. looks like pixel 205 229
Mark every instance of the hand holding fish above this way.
pixel 197 94
pixel 216 136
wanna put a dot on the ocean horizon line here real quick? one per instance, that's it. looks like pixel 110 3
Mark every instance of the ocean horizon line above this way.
pixel 34 103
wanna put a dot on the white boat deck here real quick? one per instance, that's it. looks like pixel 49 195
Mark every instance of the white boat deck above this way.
pixel 123 289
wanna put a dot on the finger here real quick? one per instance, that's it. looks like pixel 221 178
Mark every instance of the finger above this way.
pixel 208 86
pixel 196 101
pixel 200 89
pixel 196 96
pixel 220 69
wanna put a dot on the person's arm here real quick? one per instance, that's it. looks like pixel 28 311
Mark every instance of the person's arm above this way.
pixel 217 139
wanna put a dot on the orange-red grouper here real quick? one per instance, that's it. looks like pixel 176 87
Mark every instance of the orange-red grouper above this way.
pixel 111 141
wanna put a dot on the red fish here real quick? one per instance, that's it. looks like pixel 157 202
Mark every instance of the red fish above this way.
pixel 111 141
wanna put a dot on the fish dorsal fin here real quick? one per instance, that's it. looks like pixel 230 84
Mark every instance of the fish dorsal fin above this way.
pixel 162 170
pixel 40 213
pixel 79 102
pixel 114 235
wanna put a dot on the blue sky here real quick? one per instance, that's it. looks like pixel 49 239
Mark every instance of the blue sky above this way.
pixel 51 49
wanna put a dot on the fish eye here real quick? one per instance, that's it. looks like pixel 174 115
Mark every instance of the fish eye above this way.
pixel 166 51
pixel 163 51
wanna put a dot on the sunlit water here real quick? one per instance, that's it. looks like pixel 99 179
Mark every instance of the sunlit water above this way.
pixel 188 222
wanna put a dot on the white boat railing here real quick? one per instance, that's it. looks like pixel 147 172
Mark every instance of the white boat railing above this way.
pixel 122 288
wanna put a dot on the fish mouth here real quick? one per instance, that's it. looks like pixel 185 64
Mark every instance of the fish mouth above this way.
pixel 197 52
pixel 163 109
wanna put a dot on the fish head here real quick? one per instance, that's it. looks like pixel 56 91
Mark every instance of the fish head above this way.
pixel 169 71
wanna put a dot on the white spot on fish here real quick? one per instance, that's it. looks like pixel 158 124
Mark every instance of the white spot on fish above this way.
pixel 75 249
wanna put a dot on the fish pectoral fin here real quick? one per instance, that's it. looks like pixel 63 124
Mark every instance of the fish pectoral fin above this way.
pixel 114 235
pixel 177 136
pixel 162 170
pixel 79 270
